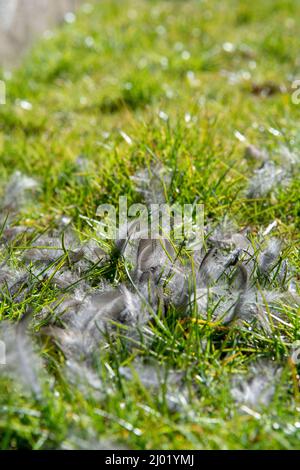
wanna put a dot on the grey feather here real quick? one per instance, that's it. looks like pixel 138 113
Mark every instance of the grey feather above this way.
pixel 22 363
pixel 18 190
pixel 266 178
pixel 258 387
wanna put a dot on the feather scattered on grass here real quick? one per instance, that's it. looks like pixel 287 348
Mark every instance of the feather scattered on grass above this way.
pixel 150 375
pixel 266 178
pixel 82 376
pixel 12 280
pixel 155 377
pixel 220 282
pixel 153 183
pixel 47 249
pixel 271 175
pixel 256 389
pixel 255 153
pixel 18 190
pixel 22 363
pixel 270 256
pixel 224 276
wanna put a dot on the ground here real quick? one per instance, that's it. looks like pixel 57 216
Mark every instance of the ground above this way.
pixel 188 83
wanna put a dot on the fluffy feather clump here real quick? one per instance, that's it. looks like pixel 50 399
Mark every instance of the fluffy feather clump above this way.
pixel 257 389
pixel 20 361
pixel 233 280
pixel 271 175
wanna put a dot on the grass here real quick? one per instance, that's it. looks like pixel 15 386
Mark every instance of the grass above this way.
pixel 177 78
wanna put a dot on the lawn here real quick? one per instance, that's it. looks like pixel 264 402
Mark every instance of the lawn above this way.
pixel 201 91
